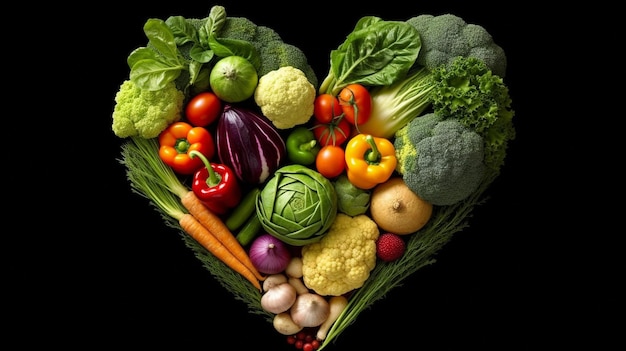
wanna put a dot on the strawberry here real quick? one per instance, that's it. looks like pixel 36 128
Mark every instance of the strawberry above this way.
pixel 390 247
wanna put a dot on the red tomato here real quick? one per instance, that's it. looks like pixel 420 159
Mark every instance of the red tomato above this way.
pixel 203 109
pixel 330 161
pixel 356 103
pixel 334 133
pixel 326 108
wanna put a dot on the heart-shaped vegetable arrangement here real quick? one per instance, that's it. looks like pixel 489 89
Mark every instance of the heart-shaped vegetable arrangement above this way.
pixel 310 200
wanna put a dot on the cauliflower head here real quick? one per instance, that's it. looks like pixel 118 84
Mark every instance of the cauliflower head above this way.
pixel 144 113
pixel 343 259
pixel 286 97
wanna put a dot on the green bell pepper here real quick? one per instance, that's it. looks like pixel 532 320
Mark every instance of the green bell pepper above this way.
pixel 302 146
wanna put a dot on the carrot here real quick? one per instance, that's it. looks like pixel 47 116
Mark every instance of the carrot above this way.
pixel 218 228
pixel 203 236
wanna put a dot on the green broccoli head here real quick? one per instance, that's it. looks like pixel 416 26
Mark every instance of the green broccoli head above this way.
pixel 276 54
pixel 144 113
pixel 238 28
pixel 468 91
pixel 440 159
pixel 273 52
pixel 445 37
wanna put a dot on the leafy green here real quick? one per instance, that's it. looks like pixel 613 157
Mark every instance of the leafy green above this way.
pixel 297 205
pixel 377 52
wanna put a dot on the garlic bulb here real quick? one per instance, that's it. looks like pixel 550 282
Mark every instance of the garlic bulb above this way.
pixel 279 298
pixel 309 310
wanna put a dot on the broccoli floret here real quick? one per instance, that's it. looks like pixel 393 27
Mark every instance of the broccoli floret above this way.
pixel 440 159
pixel 276 54
pixel 145 113
pixel 445 37
pixel 238 28
pixel 265 35
pixel 273 52
pixel 468 91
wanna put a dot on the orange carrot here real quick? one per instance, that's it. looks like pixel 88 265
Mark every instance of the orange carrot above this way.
pixel 202 235
pixel 218 228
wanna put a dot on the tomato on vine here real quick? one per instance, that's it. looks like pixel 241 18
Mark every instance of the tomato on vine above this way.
pixel 356 103
pixel 333 133
pixel 330 161
pixel 326 107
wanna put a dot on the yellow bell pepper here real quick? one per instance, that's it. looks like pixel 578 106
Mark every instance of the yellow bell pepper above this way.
pixel 369 160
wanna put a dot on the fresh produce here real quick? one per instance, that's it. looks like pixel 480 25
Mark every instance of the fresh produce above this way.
pixel 369 45
pixel 250 229
pixel 390 247
pixel 439 159
pixel 244 210
pixel 178 140
pixel 279 298
pixel 468 91
pixel 396 208
pixel 395 105
pixel 269 255
pixel 326 108
pixel 233 79
pixel 215 185
pixel 351 200
pixel 298 284
pixel 273 52
pixel 342 260
pixel 150 177
pixel 337 305
pixel 369 160
pixel 334 133
pixel 445 37
pixel 284 324
pixel 330 161
pixel 335 256
pixel 203 109
pixel 145 113
pixel 309 310
pixel 356 104
pixel 302 146
pixel 294 268
pixel 285 97
pixel 249 144
pixel 297 205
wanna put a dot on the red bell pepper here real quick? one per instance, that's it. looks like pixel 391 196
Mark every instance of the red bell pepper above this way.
pixel 215 185
pixel 178 140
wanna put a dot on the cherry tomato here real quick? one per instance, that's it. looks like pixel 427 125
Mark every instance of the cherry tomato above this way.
pixel 356 103
pixel 330 161
pixel 203 109
pixel 333 133
pixel 326 108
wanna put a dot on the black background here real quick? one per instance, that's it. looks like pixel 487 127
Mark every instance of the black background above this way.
pixel 123 279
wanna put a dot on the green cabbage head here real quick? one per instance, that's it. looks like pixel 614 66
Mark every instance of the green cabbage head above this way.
pixel 297 205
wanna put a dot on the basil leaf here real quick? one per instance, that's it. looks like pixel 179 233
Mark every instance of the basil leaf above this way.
pixel 153 74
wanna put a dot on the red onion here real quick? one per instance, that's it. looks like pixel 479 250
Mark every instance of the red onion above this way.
pixel 269 255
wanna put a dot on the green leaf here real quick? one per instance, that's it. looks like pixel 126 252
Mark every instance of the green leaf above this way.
pixel 153 74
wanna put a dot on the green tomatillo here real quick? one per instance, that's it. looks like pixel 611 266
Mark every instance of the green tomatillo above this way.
pixel 302 146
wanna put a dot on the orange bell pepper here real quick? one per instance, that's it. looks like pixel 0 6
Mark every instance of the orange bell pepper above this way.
pixel 369 160
pixel 178 140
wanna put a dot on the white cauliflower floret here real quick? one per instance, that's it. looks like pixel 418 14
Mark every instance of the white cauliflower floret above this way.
pixel 286 97
pixel 343 259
